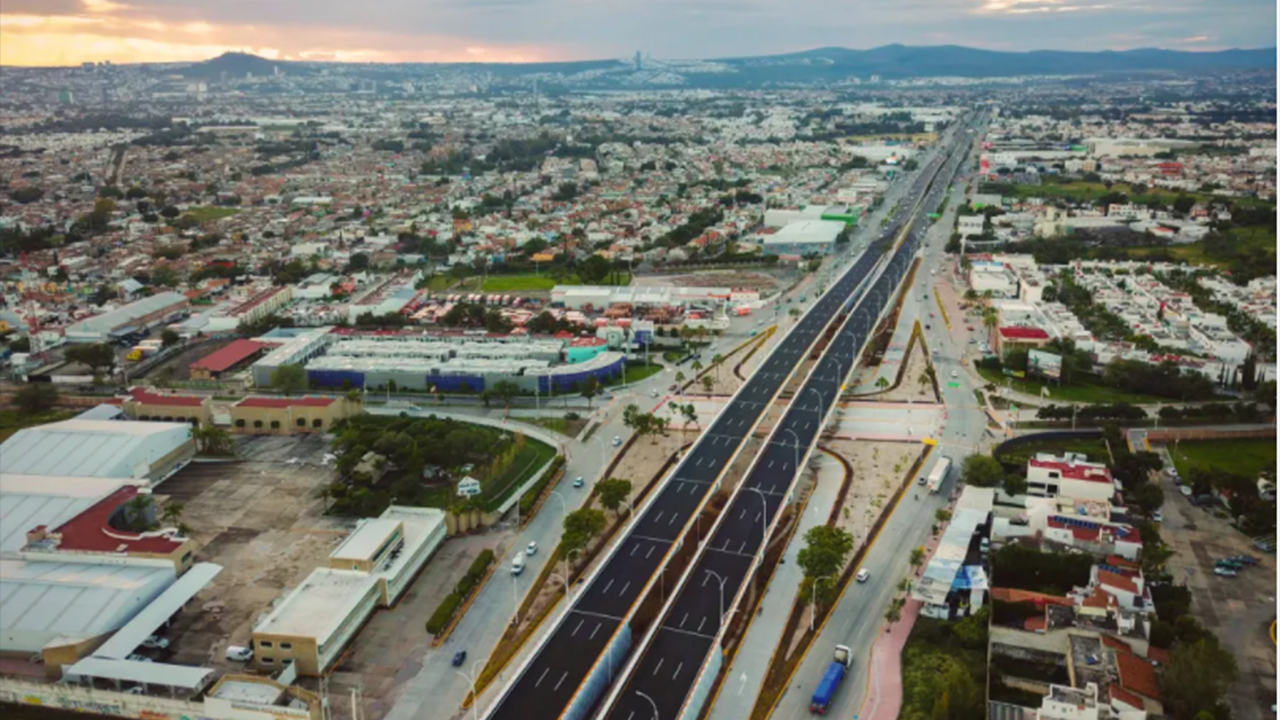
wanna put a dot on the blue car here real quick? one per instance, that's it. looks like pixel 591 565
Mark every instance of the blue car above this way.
pixel 459 658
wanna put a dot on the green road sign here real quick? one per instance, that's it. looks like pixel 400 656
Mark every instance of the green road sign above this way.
pixel 953 385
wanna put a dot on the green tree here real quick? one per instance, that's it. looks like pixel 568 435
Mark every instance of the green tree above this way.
pixel 1015 484
pixel 504 391
pixel 289 379
pixel 1198 675
pixel 981 471
pixel 169 337
pixel 164 276
pixel 917 557
pixel 590 389
pixel 825 552
pixel 708 382
pixel 98 358
pixel 716 362
pixel 613 492
pixel 593 270
pixel 35 398
pixel 580 526
pixel 882 383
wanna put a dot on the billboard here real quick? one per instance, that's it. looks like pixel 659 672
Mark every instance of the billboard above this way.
pixel 1044 363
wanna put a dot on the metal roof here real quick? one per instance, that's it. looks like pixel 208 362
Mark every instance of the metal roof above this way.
pixel 91 448
pixel 161 609
pixel 44 599
pixel 147 673
pixel 110 320
pixel 29 500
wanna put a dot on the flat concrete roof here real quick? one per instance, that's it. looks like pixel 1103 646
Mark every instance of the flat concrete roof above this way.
pixel 257 693
pixel 318 606
pixel 367 538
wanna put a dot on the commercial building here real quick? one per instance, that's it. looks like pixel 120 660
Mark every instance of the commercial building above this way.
pixel 159 309
pixel 99 448
pixel 954 583
pixel 145 404
pixel 1069 476
pixel 1024 338
pixel 297 346
pixel 994 278
pixel 373 566
pixel 228 358
pixel 286 415
pixel 970 225
pixel 1093 526
pixel 803 238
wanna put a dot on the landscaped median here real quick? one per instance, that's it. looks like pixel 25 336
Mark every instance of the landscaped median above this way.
pixel 445 617
pixel 790 650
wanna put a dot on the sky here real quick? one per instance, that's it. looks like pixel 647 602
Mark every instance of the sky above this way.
pixel 68 32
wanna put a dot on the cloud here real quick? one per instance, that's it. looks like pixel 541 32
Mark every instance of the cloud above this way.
pixel 68 31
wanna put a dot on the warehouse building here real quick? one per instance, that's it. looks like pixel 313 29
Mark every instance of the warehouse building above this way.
pixel 159 309
pixel 62 607
pixel 373 566
pixel 29 501
pixel 149 451
pixel 145 404
pixel 286 416
pixel 297 346
pixel 228 359
pixel 803 238
pixel 954 583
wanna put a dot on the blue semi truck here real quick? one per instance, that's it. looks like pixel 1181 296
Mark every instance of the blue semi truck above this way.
pixel 831 680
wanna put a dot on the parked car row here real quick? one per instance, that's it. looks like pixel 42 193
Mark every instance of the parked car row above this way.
pixel 1231 566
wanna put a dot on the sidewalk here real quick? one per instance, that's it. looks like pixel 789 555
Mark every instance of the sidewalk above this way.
pixel 884 691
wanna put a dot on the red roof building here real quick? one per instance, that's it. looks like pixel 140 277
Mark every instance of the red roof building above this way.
pixel 92 532
pixel 219 361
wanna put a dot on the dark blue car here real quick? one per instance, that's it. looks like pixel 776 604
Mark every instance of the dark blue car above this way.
pixel 459 658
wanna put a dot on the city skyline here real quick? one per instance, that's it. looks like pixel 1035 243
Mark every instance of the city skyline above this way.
pixel 69 32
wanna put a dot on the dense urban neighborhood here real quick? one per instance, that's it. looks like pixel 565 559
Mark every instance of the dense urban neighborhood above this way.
pixel 638 389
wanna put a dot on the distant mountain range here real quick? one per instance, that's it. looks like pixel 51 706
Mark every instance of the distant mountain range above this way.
pixel 810 67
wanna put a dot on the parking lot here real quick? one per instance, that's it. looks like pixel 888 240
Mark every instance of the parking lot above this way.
pixel 261 519
pixel 1239 610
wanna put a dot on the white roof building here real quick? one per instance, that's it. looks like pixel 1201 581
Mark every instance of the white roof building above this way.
pixel 99 448
pixel 27 501
pixel 47 600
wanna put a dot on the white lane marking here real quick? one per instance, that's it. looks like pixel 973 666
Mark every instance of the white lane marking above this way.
pixel 544 674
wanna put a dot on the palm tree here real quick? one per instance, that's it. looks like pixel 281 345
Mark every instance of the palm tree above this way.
pixel 679 377
pixel 715 362
pixel 923 380
pixel 882 383
pixel 695 366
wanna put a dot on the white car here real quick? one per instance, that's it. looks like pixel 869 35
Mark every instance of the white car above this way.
pixel 239 653
pixel 532 549
pixel 863 575
pixel 155 642
pixel 579 481
pixel 138 658
pixel 955 373
pixel 653 393
pixel 617 441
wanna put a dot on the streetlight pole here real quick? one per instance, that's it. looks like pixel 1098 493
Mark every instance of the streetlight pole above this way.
pixel 797 445
pixel 515 600
pixel 821 404
pixel 567 565
pixel 642 694
pixel 475 700
pixel 764 513
pixel 721 581
pixel 813 600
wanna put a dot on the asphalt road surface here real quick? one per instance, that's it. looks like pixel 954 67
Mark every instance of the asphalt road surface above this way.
pixel 665 674
pixel 553 676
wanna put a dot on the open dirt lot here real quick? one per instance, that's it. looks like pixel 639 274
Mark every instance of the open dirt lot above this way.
pixel 745 280
pixel 260 519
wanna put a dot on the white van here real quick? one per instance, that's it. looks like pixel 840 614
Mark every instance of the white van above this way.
pixel 517 565
pixel 236 653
